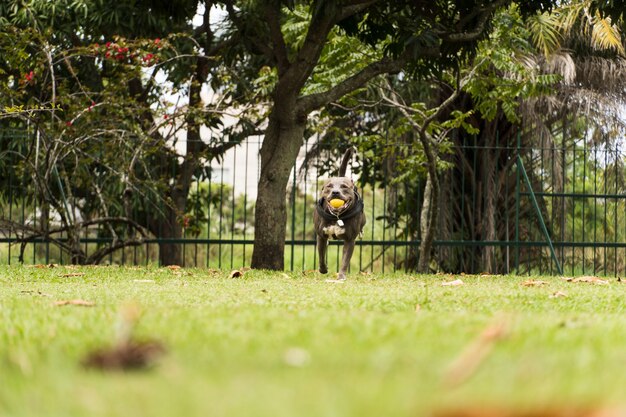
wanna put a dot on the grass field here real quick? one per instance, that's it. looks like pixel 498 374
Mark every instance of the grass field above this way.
pixel 291 344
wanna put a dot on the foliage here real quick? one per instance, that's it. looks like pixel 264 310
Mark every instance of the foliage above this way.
pixel 114 107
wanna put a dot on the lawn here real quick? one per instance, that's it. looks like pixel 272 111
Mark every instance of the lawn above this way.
pixel 292 344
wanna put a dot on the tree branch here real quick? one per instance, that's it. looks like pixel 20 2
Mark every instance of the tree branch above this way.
pixel 386 65
pixel 263 48
pixel 478 30
pixel 272 14
pixel 308 56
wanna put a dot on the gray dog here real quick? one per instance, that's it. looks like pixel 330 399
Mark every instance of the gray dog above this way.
pixel 344 222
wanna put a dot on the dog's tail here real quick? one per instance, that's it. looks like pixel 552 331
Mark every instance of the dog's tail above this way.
pixel 347 156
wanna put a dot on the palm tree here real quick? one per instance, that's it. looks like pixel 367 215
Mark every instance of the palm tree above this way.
pixel 571 69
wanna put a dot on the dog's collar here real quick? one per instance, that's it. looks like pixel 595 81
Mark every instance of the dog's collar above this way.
pixel 356 209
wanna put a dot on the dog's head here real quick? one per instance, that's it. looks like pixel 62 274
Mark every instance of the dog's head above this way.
pixel 339 188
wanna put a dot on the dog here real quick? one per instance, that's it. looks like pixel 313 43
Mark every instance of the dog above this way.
pixel 345 222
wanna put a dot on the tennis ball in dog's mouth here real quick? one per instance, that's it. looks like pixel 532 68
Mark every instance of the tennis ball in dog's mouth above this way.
pixel 336 202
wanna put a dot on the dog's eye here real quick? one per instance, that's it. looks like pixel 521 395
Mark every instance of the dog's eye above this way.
pixel 344 186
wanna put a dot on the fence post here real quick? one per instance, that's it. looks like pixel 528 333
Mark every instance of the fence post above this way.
pixel 517 202
pixel 544 229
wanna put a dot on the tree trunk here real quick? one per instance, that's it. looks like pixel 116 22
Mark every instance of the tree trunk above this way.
pixel 281 145
pixel 488 218
pixel 425 216
pixel 170 228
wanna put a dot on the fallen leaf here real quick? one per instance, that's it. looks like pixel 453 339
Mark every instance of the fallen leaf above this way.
pixel 73 274
pixel 534 283
pixel 235 274
pixel 173 267
pixel 558 294
pixel 76 302
pixel 129 355
pixel 588 279
pixel 43 266
pixel 466 364
pixel 454 283
pixel 42 294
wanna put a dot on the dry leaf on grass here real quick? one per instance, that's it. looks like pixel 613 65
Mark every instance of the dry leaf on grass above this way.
pixel 43 266
pixel 173 267
pixel 75 302
pixel 558 294
pixel 534 283
pixel 42 294
pixel 588 279
pixel 126 356
pixel 454 283
pixel 235 274
pixel 466 364
pixel 72 274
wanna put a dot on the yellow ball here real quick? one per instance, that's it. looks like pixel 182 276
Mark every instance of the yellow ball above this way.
pixel 336 202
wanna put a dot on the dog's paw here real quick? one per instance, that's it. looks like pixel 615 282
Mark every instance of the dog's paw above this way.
pixel 323 270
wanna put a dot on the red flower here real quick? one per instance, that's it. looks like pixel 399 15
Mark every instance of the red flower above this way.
pixel 165 116
pixel 68 123
pixel 108 44
pixel 148 57
pixel 30 76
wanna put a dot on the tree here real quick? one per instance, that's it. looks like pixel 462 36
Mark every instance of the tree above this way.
pixel 510 74
pixel 428 35
pixel 95 46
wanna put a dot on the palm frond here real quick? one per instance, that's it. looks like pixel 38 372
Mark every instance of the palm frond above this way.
pixel 606 35
pixel 545 32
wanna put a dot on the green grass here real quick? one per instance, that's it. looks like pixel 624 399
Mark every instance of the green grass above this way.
pixel 288 344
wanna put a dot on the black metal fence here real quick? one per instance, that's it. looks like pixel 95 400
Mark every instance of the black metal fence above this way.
pixel 567 215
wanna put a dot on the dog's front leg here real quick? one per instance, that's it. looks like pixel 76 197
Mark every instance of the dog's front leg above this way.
pixel 348 248
pixel 322 244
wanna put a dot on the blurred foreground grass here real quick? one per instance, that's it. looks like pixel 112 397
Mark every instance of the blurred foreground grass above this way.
pixel 292 344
